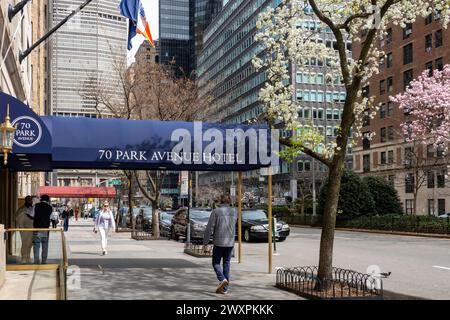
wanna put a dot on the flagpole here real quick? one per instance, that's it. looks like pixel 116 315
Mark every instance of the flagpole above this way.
pixel 23 55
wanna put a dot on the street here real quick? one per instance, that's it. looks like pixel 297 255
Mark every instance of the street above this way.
pixel 160 270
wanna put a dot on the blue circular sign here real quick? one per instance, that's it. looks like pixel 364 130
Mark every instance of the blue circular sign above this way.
pixel 28 131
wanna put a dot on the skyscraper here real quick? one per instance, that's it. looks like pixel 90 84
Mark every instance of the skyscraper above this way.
pixel 176 34
pixel 87 46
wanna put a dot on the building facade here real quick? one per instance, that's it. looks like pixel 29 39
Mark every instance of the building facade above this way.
pixel 176 35
pixel 89 47
pixel 418 172
pixel 227 74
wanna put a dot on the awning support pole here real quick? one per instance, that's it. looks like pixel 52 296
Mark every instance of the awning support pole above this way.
pixel 239 203
pixel 269 212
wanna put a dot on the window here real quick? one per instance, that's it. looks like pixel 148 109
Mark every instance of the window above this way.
pixel 329 131
pixel 429 66
pixel 366 118
pixel 307 166
pixel 438 39
pixel 391 157
pixel 383 111
pixel 390 109
pixel 407 31
pixel 383 135
pixel 320 114
pixel 409 183
pixel 429 19
pixel 407 78
pixel 299 78
pixel 439 64
pixel 430 151
pixel 408 54
pixel 409 206
pixel 428 42
pixel 431 207
pixel 366 163
pixel 366 140
pixel 430 179
pixel 389 60
pixel 383 159
pixel 441 179
pixel 441 206
pixel 336 114
pixel 329 114
pixel 366 92
pixel 382 86
pixel 307 114
pixel 320 79
pixel 440 152
pixel 300 166
pixel 390 84
pixel 390 133
pixel 389 36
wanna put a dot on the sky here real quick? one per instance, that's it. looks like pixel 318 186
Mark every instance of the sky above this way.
pixel 151 10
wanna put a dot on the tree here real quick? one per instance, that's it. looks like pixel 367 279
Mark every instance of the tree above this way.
pixel 354 196
pixel 148 91
pixel 384 195
pixel 287 41
pixel 427 101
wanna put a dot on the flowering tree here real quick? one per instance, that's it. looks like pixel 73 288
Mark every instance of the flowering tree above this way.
pixel 286 40
pixel 427 101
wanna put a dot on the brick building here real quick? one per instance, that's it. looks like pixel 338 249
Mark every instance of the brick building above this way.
pixel 417 171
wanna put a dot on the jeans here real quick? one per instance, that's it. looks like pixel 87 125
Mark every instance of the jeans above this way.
pixel 220 253
pixel 104 235
pixel 38 238
pixel 66 224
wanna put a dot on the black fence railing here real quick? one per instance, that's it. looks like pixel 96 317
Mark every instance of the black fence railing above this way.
pixel 393 223
pixel 345 284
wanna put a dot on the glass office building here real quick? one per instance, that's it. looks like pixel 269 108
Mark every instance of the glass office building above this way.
pixel 85 47
pixel 227 74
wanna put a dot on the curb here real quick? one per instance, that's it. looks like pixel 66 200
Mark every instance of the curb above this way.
pixel 397 233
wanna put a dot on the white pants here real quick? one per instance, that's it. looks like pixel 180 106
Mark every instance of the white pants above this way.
pixel 104 235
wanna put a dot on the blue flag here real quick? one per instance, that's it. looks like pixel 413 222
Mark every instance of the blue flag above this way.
pixel 130 9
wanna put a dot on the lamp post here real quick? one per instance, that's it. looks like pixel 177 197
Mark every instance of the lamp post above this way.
pixel 6 137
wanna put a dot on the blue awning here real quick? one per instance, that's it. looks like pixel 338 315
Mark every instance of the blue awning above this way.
pixel 47 143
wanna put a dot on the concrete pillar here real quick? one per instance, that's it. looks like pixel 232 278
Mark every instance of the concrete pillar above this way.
pixel 2 256
pixel 294 189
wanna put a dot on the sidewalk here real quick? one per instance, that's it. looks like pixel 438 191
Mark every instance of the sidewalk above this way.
pixel 157 270
pixel 29 285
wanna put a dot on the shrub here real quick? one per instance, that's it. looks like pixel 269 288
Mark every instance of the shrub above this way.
pixel 354 196
pixel 384 195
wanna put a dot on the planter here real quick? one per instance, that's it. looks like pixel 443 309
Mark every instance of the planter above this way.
pixel 344 285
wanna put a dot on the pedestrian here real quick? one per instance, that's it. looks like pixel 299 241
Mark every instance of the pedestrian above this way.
pixel 54 218
pixel 104 223
pixel 77 212
pixel 66 218
pixel 222 226
pixel 24 220
pixel 42 213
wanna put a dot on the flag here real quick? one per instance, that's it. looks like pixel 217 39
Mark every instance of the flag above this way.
pixel 138 24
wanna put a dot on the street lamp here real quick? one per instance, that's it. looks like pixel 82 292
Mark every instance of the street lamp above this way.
pixel 6 137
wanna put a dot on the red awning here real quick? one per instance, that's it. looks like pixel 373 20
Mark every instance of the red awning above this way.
pixel 78 192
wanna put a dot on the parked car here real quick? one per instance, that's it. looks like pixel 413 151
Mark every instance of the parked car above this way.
pixel 145 217
pixel 255 226
pixel 165 222
pixel 198 219
pixel 133 215
pixel 445 215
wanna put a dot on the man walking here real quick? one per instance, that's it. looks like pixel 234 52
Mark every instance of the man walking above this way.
pixel 24 220
pixel 222 225
pixel 42 212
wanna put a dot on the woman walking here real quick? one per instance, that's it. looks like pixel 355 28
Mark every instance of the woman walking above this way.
pixel 54 218
pixel 104 222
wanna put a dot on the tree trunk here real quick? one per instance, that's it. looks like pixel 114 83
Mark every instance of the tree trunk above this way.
pixel 155 219
pixel 329 223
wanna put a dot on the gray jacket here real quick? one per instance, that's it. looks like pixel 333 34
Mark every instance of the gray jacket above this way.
pixel 222 225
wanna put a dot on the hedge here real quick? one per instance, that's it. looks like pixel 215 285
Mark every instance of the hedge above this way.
pixel 405 223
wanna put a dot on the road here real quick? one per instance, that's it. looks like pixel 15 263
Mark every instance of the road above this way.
pixel 420 266
pixel 160 270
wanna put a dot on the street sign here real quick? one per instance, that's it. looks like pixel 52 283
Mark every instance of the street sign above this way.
pixel 184 183
pixel 116 182
pixel 265 171
pixel 233 191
